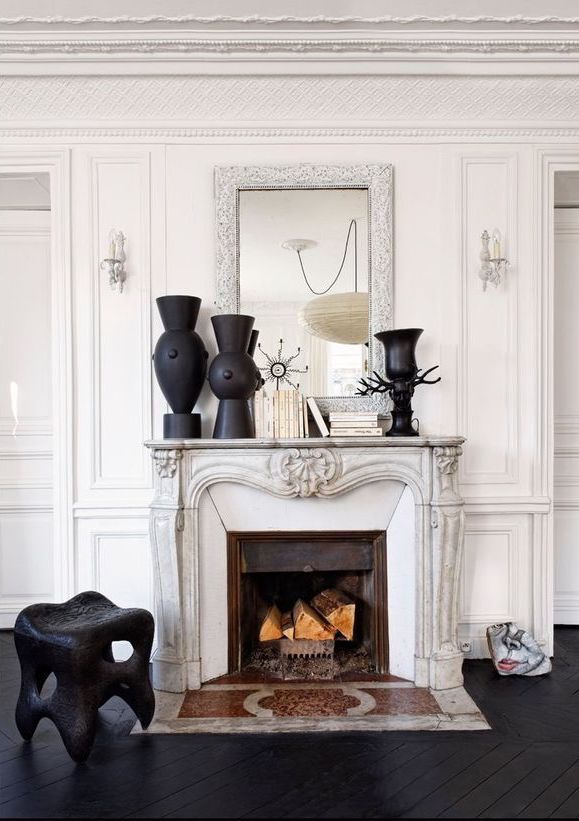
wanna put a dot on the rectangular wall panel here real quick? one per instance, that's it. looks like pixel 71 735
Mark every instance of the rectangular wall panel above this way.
pixel 489 373
pixel 114 558
pixel 496 576
pixel 26 561
pixel 121 325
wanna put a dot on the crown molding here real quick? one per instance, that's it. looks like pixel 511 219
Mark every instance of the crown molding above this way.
pixel 294 101
pixel 160 45
pixel 170 133
pixel 256 19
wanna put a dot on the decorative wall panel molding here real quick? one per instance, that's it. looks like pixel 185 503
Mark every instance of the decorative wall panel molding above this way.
pixel 303 99
pixel 489 333
pixel 160 46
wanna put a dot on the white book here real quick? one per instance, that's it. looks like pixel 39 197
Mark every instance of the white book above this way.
pixel 275 414
pixel 291 431
pixel 282 416
pixel 356 432
pixel 269 417
pixel 371 423
pixel 353 417
pixel 306 420
pixel 296 411
pixel 257 414
pixel 318 418
pixel 300 412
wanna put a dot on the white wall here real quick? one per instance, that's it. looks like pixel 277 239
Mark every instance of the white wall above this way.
pixel 467 137
pixel 445 194
pixel 27 564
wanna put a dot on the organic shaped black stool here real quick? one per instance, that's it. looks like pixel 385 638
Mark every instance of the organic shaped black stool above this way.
pixel 73 640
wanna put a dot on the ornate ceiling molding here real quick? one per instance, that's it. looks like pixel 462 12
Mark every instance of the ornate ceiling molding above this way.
pixel 162 46
pixel 176 133
pixel 256 19
pixel 294 101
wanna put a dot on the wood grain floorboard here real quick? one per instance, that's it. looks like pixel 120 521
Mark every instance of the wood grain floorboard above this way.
pixel 527 766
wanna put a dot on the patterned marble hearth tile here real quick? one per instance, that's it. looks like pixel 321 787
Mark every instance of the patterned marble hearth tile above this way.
pixel 214 704
pixel 313 702
pixel 401 701
pixel 285 708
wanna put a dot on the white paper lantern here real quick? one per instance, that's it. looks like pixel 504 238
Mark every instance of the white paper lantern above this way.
pixel 337 318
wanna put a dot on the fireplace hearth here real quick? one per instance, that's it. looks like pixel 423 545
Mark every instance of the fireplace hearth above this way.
pixel 269 573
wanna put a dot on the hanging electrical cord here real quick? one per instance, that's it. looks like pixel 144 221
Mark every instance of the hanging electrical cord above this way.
pixel 331 285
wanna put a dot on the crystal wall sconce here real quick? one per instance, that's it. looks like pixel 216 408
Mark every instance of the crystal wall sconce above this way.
pixel 114 264
pixel 494 265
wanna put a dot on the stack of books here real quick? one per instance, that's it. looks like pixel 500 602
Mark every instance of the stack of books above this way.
pixel 354 424
pixel 281 415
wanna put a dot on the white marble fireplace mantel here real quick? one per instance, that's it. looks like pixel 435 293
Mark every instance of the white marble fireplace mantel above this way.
pixel 319 468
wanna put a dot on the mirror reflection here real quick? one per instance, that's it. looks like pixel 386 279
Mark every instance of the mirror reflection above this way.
pixel 303 274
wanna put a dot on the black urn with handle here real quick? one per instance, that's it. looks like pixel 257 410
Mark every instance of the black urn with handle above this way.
pixel 180 360
pixel 233 376
pixel 402 377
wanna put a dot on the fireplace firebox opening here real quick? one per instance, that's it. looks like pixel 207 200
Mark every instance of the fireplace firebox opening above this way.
pixel 300 582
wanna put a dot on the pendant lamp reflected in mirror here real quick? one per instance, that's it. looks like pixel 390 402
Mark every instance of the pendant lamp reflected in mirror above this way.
pixel 338 317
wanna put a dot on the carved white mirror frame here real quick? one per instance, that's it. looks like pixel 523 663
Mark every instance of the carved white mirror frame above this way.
pixel 377 180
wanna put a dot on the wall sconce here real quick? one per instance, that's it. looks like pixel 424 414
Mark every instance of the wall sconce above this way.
pixel 114 264
pixel 494 264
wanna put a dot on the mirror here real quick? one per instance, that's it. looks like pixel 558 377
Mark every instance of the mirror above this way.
pixel 306 250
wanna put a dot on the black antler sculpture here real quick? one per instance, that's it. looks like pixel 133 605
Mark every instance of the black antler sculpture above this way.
pixel 403 376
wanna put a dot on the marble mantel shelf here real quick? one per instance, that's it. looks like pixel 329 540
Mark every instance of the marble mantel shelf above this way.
pixel 311 442
pixel 299 469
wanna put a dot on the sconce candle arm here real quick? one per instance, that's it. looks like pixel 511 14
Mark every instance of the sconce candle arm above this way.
pixel 114 264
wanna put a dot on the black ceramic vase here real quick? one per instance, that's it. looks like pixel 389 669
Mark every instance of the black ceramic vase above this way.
pixel 233 376
pixel 180 365
pixel 401 370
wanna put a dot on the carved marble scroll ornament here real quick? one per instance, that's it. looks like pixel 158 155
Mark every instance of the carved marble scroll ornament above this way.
pixel 515 652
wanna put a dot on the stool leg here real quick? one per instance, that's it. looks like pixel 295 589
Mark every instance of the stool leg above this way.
pixel 76 717
pixel 139 695
pixel 29 708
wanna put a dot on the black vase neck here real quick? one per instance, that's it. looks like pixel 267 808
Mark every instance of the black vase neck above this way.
pixel 233 332
pixel 178 311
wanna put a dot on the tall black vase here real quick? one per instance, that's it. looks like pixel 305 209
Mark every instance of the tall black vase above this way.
pixel 401 370
pixel 233 376
pixel 180 365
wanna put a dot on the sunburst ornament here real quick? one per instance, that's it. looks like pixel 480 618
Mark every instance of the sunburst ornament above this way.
pixel 278 367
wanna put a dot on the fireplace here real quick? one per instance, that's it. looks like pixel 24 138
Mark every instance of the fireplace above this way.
pixel 206 490
pixel 275 570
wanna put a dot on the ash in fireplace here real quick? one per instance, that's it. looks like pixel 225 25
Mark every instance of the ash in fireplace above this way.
pixel 268 660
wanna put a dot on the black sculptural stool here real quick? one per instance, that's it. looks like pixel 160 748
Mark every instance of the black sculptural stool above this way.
pixel 73 640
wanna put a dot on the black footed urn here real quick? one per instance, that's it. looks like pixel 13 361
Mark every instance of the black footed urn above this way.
pixel 233 376
pixel 180 365
pixel 400 350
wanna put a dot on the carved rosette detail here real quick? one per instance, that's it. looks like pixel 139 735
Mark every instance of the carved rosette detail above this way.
pixel 166 462
pixel 307 471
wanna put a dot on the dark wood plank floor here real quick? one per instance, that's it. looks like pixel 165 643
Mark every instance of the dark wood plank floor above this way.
pixel 527 766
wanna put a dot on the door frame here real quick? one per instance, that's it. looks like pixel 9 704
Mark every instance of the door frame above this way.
pixel 550 162
pixel 56 163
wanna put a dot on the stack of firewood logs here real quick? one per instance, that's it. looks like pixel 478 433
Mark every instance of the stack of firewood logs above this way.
pixel 328 613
